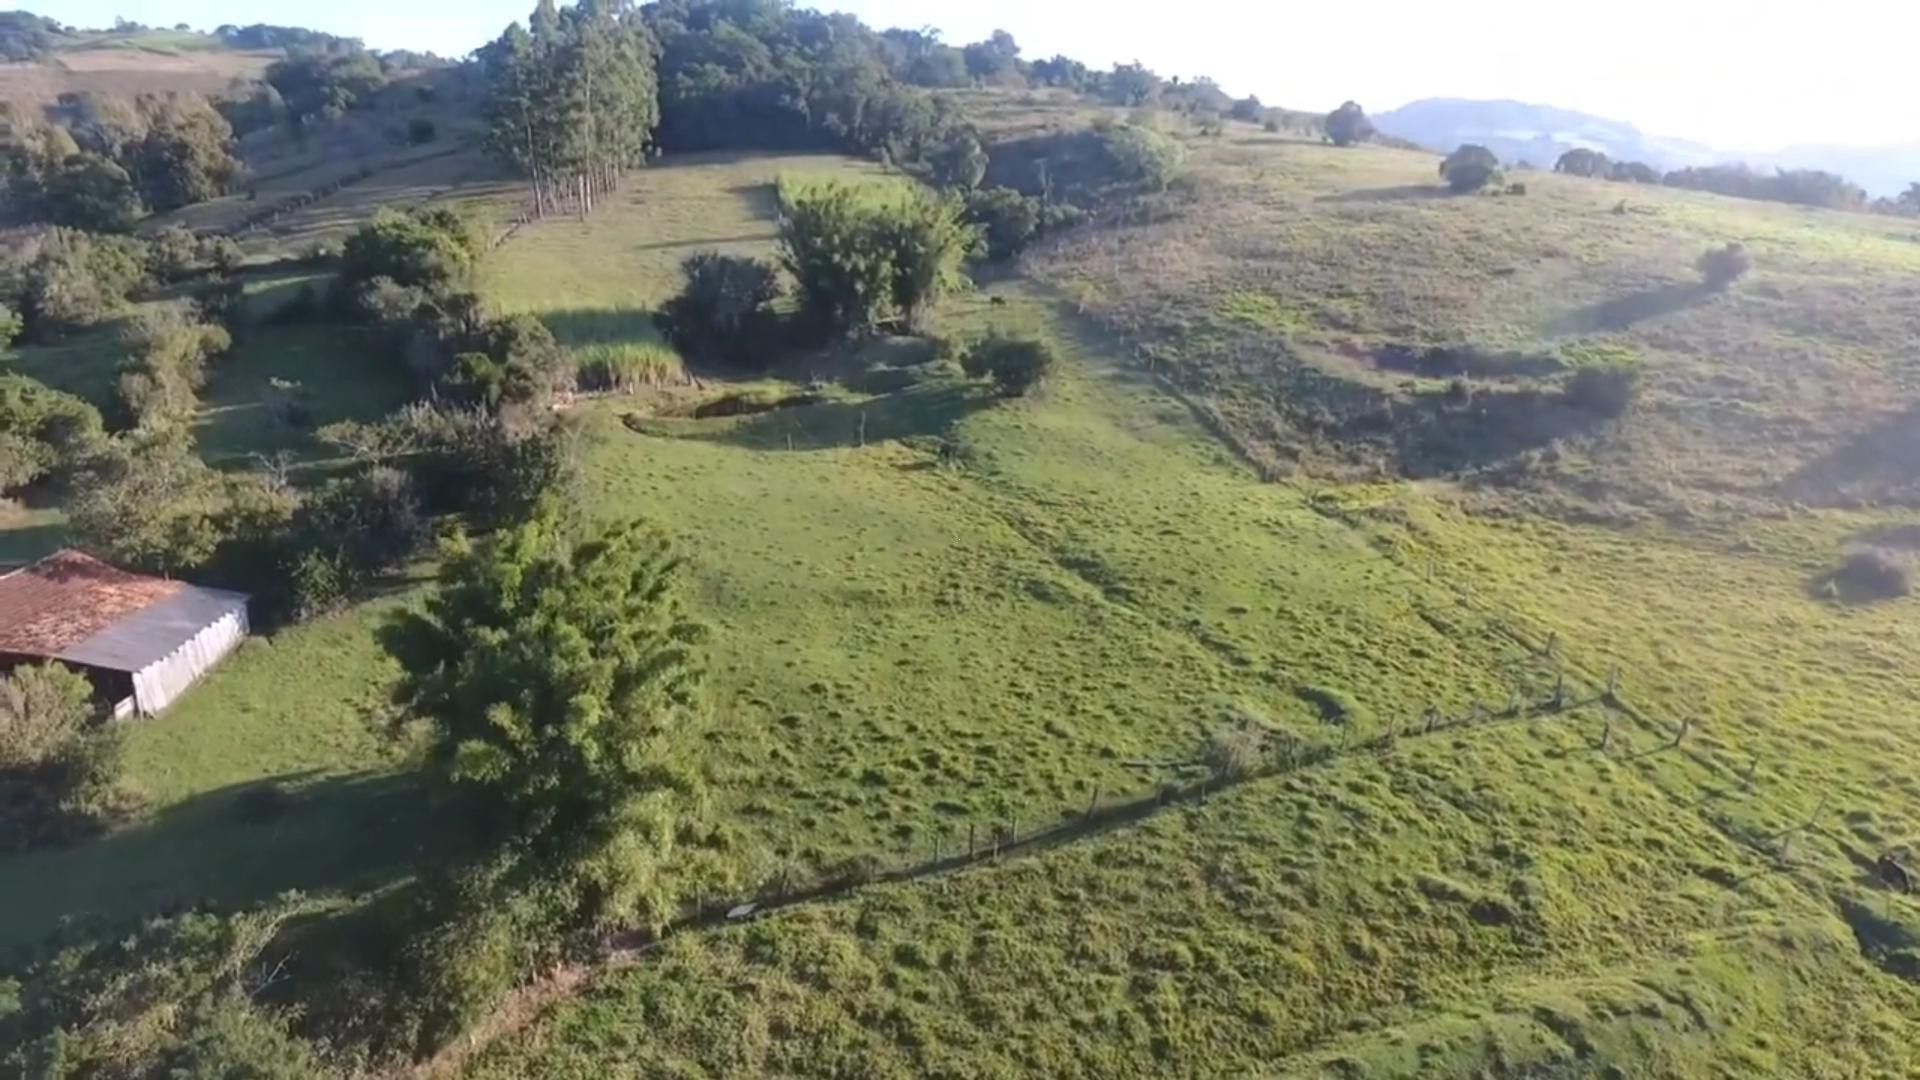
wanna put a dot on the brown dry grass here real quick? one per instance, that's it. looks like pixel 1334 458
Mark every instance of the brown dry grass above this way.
pixel 128 72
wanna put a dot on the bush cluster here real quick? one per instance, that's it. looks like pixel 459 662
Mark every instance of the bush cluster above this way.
pixel 168 350
pixel 59 764
pixel 1015 365
pixel 724 314
pixel 1722 266
pixel 44 433
pixel 864 258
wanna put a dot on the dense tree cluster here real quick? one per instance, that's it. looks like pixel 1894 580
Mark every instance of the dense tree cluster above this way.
pixel 44 433
pixel 572 99
pixel 409 274
pixel 324 85
pixel 107 162
pixel 168 350
pixel 25 36
pixel 1805 187
pixel 73 279
pixel 264 36
pixel 864 258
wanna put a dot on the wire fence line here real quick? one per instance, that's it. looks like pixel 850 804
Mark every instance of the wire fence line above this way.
pixel 989 839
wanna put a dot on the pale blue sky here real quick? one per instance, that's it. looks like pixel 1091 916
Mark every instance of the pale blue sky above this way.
pixel 1742 74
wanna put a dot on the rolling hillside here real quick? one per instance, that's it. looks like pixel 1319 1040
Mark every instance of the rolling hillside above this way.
pixel 1347 703
pixel 1539 134
pixel 125 64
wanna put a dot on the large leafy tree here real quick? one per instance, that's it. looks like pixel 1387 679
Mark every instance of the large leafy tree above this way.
pixel 1581 161
pixel 186 155
pixel 866 257
pixel 1348 124
pixel 560 681
pixel 1470 168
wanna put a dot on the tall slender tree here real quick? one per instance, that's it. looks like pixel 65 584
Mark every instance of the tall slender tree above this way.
pixel 573 100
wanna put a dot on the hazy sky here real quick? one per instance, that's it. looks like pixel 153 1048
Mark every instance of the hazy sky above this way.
pixel 1742 74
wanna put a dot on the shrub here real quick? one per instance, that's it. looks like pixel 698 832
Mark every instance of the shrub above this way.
pixel 1008 219
pixel 724 312
pixel 1605 390
pixel 1873 574
pixel 1470 168
pixel 172 998
pixel 1722 266
pixel 1137 155
pixel 172 253
pixel 1016 365
pixel 1235 753
pixel 1634 172
pixel 421 131
pixel 58 765
pixel 79 279
pixel 960 161
pixel 168 350
pixel 1581 161
pixel 372 518
pixel 221 253
pixel 1348 124
pixel 10 327
pixel 464 460
pixel 434 250
pixel 865 258
pixel 48 432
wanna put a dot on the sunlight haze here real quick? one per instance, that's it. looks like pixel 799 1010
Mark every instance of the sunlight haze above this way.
pixel 1740 76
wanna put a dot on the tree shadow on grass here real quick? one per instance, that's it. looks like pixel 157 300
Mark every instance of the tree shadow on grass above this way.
pixel 1625 311
pixel 1878 465
pixel 1396 193
pixel 702 243
pixel 223 849
pixel 927 410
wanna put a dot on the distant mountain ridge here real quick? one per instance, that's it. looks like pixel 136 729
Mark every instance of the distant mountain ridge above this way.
pixel 1539 134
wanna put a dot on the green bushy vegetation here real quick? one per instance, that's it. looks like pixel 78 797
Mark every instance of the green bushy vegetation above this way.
pixel 59 766
pixel 863 258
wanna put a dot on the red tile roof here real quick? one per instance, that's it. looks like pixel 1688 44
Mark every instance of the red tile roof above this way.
pixel 66 598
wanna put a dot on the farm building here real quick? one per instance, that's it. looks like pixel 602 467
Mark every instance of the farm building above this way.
pixel 141 640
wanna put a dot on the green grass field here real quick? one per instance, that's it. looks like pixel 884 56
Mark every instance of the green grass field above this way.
pixel 934 609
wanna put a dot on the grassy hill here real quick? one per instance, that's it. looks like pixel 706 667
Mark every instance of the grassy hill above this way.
pixel 938 613
pixel 131 62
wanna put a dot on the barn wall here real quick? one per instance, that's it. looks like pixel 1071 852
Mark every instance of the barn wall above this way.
pixel 158 685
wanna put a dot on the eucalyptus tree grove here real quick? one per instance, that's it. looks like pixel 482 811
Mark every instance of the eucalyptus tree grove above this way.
pixel 572 100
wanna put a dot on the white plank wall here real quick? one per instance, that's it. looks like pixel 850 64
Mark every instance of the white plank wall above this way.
pixel 160 683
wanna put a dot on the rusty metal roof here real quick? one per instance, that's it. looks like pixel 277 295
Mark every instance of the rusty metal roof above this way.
pixel 68 597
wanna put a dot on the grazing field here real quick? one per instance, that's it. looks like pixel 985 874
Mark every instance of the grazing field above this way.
pixel 936 611
pixel 125 69
pixel 1301 293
